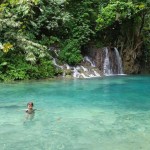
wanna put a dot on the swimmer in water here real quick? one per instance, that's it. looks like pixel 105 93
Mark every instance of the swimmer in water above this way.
pixel 30 111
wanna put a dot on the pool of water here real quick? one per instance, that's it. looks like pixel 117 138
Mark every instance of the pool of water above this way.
pixel 111 113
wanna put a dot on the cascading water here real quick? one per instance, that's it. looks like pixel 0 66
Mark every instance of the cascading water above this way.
pixel 67 66
pixel 88 60
pixel 106 65
pixel 54 62
pixel 97 74
pixel 119 61
pixel 85 69
pixel 76 74
pixel 112 62
pixel 80 71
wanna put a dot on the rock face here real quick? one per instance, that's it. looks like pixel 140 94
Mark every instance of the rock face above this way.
pixel 103 62
pixel 131 59
pixel 108 60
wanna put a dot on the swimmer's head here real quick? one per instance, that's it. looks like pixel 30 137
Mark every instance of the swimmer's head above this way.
pixel 30 105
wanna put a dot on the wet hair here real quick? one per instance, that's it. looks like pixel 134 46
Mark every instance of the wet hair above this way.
pixel 30 103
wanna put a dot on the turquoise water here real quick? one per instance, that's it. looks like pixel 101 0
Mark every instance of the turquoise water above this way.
pixel 111 113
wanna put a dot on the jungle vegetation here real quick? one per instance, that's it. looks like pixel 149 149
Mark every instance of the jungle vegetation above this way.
pixel 29 29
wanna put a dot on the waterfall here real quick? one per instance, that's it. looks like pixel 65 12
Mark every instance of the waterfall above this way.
pixel 112 62
pixel 106 65
pixel 76 74
pixel 84 76
pixel 54 62
pixel 68 67
pixel 119 61
pixel 84 69
pixel 83 72
pixel 97 74
pixel 88 60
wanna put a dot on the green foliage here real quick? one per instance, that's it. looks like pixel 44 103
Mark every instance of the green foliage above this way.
pixel 50 19
pixel 49 40
pixel 29 27
pixel 14 21
pixel 20 69
pixel 70 52
pixel 44 69
pixel 82 23
pixel 82 33
pixel 117 11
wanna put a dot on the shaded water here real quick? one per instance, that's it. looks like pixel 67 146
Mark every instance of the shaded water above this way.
pixel 111 113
